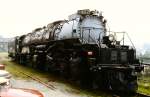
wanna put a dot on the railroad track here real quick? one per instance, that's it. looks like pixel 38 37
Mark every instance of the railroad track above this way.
pixel 38 80
pixel 52 87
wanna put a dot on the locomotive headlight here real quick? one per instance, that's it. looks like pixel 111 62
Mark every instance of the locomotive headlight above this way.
pixel 111 37
pixel 90 53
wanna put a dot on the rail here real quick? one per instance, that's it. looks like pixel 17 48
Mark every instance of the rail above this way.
pixel 38 80
pixel 52 87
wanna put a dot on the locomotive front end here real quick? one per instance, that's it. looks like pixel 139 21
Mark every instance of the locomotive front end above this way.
pixel 111 65
pixel 105 62
pixel 115 66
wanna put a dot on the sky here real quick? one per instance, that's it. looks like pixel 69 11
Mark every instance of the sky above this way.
pixel 18 17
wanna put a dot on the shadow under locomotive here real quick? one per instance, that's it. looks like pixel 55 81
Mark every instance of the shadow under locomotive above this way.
pixel 80 49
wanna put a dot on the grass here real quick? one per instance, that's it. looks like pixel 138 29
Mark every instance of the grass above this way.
pixel 13 68
pixel 144 81
pixel 144 85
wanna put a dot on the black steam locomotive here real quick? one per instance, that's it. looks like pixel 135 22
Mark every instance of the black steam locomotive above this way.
pixel 80 49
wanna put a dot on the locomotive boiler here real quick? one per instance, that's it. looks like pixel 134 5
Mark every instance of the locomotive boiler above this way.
pixel 80 49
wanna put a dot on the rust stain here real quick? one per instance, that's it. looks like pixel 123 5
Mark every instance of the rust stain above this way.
pixel 20 92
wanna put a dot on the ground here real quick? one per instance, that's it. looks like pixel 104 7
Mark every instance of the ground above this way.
pixel 58 86
pixel 144 81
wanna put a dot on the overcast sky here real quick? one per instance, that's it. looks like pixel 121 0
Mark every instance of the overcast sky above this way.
pixel 19 17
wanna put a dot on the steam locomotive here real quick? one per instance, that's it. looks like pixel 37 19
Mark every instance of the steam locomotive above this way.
pixel 80 49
